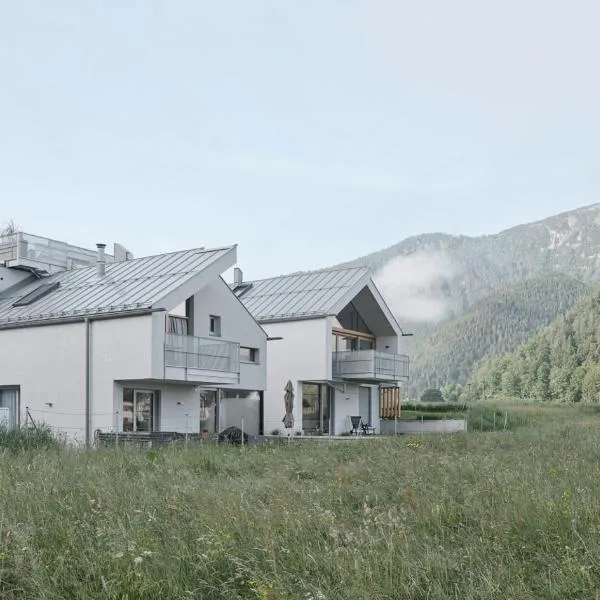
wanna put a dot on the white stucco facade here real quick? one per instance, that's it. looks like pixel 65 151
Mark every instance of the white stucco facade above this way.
pixel 237 324
pixel 47 364
pixel 301 352
pixel 298 351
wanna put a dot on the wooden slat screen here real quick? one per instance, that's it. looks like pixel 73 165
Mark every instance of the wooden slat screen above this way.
pixel 389 402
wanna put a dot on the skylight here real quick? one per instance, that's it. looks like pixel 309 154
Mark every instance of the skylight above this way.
pixel 36 294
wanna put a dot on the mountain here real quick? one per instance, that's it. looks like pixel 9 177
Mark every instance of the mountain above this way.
pixel 560 363
pixel 431 281
pixel 494 325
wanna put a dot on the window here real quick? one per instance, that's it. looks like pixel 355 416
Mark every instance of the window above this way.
pixel 9 407
pixel 345 340
pixel 178 325
pixel 248 354
pixel 215 325
pixel 140 410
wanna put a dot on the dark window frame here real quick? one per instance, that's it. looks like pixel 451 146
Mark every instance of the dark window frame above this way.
pixel 214 325
pixel 253 355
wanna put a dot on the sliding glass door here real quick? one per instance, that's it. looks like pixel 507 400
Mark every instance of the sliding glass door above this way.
pixel 140 410
pixel 316 408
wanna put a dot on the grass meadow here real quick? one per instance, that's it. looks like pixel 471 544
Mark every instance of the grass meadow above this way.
pixel 512 514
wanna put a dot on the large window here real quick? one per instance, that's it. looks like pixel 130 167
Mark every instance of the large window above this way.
pixel 241 408
pixel 177 325
pixel 9 407
pixel 350 318
pixel 140 410
pixel 346 340
pixel 316 408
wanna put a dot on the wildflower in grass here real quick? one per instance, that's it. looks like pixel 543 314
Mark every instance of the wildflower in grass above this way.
pixel 3 555
pixel 263 591
pixel 138 560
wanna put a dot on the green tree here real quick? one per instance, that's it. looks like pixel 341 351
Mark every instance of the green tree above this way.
pixel 590 386
pixel 451 392
pixel 511 381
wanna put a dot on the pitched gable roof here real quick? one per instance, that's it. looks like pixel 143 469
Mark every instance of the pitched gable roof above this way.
pixel 135 285
pixel 302 295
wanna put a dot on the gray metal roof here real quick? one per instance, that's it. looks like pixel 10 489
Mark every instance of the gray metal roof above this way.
pixel 303 295
pixel 133 285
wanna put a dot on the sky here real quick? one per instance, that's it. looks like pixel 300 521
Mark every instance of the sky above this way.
pixel 308 132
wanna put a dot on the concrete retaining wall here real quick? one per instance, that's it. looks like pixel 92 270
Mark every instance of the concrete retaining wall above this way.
pixel 425 426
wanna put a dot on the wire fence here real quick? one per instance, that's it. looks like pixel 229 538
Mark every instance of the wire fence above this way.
pixel 123 427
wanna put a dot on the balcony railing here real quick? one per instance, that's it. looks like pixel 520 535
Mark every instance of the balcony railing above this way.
pixel 17 249
pixel 202 354
pixel 370 365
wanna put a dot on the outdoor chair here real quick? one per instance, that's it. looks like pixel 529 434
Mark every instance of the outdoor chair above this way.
pixel 355 424
pixel 367 429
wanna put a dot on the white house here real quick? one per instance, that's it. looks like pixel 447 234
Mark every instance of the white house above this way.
pixel 333 336
pixel 158 343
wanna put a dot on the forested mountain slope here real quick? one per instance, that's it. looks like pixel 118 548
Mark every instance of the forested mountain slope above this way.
pixel 494 325
pixel 443 288
pixel 560 363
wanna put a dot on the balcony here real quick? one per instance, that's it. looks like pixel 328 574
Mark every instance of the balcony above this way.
pixel 201 360
pixel 45 255
pixel 370 366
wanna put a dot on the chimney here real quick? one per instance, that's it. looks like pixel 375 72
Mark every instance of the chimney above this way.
pixel 238 276
pixel 101 260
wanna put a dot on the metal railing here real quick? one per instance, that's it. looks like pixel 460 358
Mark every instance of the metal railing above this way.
pixel 370 364
pixel 21 246
pixel 200 353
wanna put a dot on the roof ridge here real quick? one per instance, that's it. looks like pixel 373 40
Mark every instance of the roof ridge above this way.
pixel 200 249
pixel 313 272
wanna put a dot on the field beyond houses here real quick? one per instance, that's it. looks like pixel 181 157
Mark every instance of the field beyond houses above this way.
pixel 512 514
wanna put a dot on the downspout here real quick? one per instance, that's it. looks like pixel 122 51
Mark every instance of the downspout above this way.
pixel 101 272
pixel 88 391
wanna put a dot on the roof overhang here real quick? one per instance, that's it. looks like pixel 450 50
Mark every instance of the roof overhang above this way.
pixel 197 281
pixel 274 320
pixel 62 320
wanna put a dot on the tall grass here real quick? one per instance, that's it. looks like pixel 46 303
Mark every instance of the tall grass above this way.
pixel 26 438
pixel 464 516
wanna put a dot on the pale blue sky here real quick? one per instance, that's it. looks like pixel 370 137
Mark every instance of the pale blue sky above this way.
pixel 308 131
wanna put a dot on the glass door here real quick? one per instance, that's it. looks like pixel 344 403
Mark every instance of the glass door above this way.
pixel 140 408
pixel 144 411
pixel 325 406
pixel 316 408
pixel 364 404
pixel 208 405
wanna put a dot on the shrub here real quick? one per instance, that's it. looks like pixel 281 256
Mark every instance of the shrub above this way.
pixel 434 408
